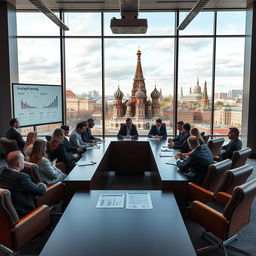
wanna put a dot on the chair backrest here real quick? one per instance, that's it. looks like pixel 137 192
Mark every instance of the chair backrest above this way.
pixel 215 146
pixel 8 145
pixel 206 138
pixel 8 218
pixel 33 170
pixel 239 157
pixel 48 137
pixel 235 177
pixel 238 209
pixel 215 175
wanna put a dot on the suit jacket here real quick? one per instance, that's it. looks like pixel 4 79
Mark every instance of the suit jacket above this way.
pixel 196 166
pixel 13 134
pixel 89 134
pixel 63 156
pixel 123 132
pixel 68 147
pixel 183 143
pixel 154 131
pixel 22 189
pixel 228 149
pixel 179 138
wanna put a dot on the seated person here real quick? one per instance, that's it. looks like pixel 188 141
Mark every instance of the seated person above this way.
pixel 90 137
pixel 128 130
pixel 57 150
pixel 31 138
pixel 22 188
pixel 84 134
pixel 182 145
pixel 48 172
pixel 234 144
pixel 75 138
pixel 195 132
pixel 14 134
pixel 180 135
pixel 195 166
pixel 158 130
pixel 66 142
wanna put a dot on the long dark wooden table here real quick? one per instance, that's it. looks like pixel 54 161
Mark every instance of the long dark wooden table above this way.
pixel 87 230
pixel 124 157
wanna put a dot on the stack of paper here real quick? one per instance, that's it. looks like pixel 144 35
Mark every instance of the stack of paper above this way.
pixel 85 162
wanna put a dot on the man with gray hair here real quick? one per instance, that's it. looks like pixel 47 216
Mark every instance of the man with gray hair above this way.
pixel 195 165
pixel 22 188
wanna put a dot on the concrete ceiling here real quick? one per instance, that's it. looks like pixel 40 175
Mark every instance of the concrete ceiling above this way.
pixel 144 4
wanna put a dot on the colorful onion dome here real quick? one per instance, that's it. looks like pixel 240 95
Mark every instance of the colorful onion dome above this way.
pixel 155 93
pixel 118 94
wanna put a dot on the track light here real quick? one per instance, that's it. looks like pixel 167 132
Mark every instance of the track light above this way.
pixel 45 10
pixel 192 14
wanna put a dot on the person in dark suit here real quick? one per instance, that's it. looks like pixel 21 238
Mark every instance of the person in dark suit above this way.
pixel 14 134
pixel 158 130
pixel 195 166
pixel 66 142
pixel 234 144
pixel 180 135
pixel 22 188
pixel 128 130
pixel 91 124
pixel 182 144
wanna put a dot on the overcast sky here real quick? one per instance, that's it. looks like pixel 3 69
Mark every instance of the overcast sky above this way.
pixel 39 59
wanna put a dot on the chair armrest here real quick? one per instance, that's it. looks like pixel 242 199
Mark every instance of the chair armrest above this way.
pixel 222 198
pixel 195 192
pixel 210 219
pixel 53 195
pixel 31 225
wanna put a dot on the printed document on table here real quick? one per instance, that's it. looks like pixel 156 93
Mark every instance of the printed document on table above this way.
pixel 138 201
pixel 85 162
pixel 110 201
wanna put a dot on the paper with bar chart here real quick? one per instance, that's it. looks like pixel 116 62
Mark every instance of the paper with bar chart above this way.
pixel 37 104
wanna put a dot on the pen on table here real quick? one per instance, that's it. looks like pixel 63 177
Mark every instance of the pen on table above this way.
pixel 171 164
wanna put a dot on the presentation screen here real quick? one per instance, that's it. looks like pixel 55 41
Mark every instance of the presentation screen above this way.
pixel 36 104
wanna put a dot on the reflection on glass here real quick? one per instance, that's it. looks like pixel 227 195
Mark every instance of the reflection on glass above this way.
pixel 138 83
pixel 195 82
pixel 228 84
pixel 36 24
pixel 83 74
pixel 158 23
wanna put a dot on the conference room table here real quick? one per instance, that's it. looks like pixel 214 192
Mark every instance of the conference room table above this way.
pixel 124 158
pixel 85 229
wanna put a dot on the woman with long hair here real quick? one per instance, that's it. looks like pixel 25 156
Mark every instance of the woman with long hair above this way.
pixel 48 172
pixel 57 150
pixel 31 138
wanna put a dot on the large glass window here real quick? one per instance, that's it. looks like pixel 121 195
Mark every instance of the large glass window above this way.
pixel 129 69
pixel 39 53
pixel 228 84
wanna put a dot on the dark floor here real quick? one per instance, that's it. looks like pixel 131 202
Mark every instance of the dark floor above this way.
pixel 246 237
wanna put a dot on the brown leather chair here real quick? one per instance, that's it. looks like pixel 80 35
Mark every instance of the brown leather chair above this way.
pixel 215 147
pixel 211 183
pixel 225 225
pixel 239 157
pixel 8 145
pixel 206 138
pixel 15 232
pixel 54 193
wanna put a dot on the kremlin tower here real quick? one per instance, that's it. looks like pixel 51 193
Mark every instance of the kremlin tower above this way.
pixel 138 107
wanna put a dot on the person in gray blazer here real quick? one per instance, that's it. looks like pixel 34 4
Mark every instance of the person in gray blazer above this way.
pixel 48 172
pixel 195 166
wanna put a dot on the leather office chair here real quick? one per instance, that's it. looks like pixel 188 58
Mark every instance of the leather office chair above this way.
pixel 54 193
pixel 215 147
pixel 48 137
pixel 15 232
pixel 224 225
pixel 211 183
pixel 8 145
pixel 239 157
